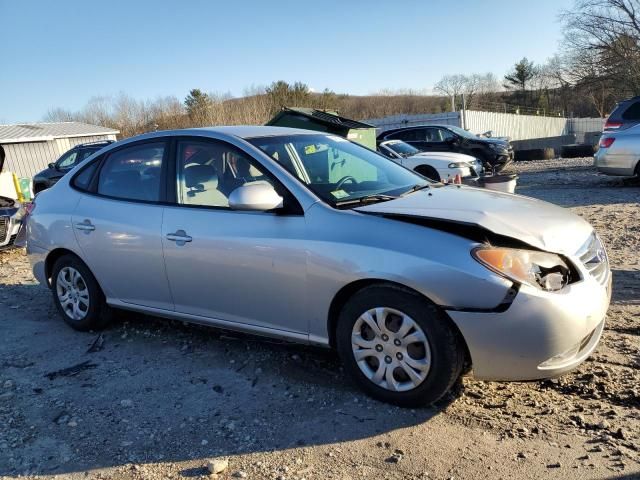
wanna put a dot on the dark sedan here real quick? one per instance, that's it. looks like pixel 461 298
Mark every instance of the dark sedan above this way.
pixel 494 153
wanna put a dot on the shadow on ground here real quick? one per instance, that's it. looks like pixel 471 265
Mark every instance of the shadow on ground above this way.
pixel 150 390
pixel 626 286
pixel 578 187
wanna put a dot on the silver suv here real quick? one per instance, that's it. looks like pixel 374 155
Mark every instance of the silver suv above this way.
pixel 311 238
pixel 619 152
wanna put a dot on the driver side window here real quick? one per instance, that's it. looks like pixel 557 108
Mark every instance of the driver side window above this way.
pixel 446 135
pixel 208 171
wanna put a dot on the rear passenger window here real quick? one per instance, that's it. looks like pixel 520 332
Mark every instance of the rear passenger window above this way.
pixel 133 173
pixel 408 135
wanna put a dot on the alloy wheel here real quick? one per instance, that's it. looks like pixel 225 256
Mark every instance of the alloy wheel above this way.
pixel 73 293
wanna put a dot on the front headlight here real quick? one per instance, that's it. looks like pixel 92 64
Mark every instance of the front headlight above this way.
pixel 546 271
pixel 497 146
pixel 459 165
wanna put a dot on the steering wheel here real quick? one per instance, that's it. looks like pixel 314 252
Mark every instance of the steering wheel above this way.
pixel 344 180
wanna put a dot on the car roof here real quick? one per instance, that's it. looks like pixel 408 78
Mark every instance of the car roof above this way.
pixel 410 127
pixel 240 131
pixel 253 131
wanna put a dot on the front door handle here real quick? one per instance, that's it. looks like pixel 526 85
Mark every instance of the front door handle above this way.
pixel 180 237
pixel 85 226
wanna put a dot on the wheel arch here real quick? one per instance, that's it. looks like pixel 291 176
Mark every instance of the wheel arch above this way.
pixel 53 257
pixel 425 169
pixel 480 153
pixel 347 291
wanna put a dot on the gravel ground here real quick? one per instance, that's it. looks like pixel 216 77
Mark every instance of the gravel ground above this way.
pixel 151 398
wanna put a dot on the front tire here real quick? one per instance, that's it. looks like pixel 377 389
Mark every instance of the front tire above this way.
pixel 77 295
pixel 398 346
pixel 429 172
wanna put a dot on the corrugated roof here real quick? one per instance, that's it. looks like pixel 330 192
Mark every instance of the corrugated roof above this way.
pixel 33 132
pixel 322 116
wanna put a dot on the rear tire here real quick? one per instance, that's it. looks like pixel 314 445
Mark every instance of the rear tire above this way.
pixel 78 296
pixel 429 172
pixel 421 359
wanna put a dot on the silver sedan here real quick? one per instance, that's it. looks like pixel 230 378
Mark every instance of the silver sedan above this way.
pixel 311 238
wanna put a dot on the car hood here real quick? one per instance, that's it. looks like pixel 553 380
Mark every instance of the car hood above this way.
pixel 6 202
pixel 534 222
pixel 491 141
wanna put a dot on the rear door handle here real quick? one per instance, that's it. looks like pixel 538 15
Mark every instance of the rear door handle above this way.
pixel 180 237
pixel 86 226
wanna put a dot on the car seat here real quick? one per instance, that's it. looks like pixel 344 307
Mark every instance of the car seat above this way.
pixel 201 187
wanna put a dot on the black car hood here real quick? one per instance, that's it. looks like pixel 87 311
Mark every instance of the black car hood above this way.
pixel 495 141
pixel 6 202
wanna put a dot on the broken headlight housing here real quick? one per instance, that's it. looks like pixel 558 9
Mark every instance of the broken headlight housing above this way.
pixel 546 271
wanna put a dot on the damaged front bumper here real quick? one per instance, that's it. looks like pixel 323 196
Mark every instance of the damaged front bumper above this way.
pixel 540 335
pixel 9 226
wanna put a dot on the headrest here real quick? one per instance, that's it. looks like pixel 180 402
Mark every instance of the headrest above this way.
pixel 196 174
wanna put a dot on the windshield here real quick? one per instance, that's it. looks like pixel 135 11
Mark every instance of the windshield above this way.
pixel 462 132
pixel 401 148
pixel 337 170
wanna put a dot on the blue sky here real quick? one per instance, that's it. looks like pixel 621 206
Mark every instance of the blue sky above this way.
pixel 61 53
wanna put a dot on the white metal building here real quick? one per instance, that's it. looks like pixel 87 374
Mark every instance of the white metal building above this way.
pixel 30 147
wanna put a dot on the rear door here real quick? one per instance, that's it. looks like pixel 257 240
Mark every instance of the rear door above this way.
pixel 412 136
pixel 118 223
pixel 245 267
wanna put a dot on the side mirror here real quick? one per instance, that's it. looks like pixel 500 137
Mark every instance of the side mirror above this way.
pixel 259 196
pixel 52 166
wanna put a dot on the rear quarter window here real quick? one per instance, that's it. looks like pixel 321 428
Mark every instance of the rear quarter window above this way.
pixel 632 112
pixel 82 180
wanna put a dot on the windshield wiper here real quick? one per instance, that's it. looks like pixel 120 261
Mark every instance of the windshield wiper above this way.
pixel 374 197
pixel 415 188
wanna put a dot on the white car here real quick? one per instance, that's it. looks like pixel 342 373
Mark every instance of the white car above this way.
pixel 438 166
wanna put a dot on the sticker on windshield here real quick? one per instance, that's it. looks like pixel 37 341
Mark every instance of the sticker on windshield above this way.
pixel 338 194
pixel 309 149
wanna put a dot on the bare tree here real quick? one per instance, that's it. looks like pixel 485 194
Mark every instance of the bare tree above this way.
pixel 451 85
pixel 603 40
pixel 59 115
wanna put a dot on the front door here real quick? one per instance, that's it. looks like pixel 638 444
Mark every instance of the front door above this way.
pixel 238 266
pixel 118 226
pixel 438 139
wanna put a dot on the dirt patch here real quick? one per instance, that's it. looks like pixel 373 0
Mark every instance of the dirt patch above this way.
pixel 150 398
